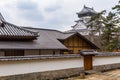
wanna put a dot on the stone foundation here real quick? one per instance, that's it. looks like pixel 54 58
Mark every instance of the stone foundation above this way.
pixel 49 75
pixel 108 67
pixel 58 74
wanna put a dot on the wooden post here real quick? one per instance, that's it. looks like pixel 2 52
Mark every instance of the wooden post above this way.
pixel 88 62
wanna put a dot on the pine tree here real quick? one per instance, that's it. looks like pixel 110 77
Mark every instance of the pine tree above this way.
pixel 107 25
pixel 110 30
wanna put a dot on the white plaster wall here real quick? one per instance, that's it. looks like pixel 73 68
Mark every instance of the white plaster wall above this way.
pixel 21 67
pixel 48 52
pixel 29 66
pixel 57 51
pixel 106 60
pixel 45 52
pixel 31 52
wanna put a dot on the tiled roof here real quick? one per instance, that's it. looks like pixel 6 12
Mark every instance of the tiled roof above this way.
pixel 86 11
pixel 10 31
pixel 48 39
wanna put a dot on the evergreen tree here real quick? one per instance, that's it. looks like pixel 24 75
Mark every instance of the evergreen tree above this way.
pixel 107 25
pixel 96 22
pixel 109 37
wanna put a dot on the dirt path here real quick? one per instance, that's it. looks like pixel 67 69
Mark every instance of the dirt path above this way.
pixel 110 75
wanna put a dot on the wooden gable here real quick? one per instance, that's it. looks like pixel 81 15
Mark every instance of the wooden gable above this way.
pixel 77 42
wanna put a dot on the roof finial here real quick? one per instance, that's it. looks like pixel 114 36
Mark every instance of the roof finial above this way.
pixel 84 5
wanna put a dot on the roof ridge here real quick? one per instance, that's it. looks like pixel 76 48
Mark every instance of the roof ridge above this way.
pixel 1 17
pixel 88 7
pixel 43 29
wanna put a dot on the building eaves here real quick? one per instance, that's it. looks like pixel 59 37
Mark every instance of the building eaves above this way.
pixel 9 31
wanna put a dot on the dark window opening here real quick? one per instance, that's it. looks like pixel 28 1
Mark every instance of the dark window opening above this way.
pixel 14 52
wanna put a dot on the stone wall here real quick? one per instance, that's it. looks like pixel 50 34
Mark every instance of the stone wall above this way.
pixel 58 74
pixel 107 67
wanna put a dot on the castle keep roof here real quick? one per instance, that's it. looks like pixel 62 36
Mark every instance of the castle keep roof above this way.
pixel 86 11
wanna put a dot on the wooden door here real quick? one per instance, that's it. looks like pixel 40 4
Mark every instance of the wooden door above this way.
pixel 88 62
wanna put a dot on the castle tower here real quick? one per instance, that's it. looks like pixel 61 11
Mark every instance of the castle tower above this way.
pixel 84 16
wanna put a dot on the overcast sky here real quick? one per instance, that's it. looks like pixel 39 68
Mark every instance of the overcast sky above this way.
pixel 52 14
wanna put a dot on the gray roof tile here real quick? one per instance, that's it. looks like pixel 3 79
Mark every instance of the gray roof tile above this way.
pixel 10 31
pixel 48 39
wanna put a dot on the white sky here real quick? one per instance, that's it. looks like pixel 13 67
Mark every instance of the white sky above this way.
pixel 53 14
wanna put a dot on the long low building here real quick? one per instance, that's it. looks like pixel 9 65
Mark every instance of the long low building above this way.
pixel 20 41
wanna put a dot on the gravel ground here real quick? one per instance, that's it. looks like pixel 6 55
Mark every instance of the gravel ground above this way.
pixel 110 75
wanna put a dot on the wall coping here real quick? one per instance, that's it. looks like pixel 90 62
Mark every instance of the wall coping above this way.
pixel 60 56
pixel 38 57
pixel 108 54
